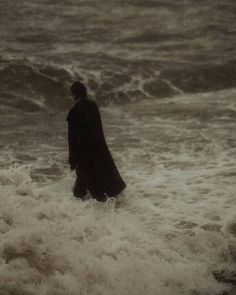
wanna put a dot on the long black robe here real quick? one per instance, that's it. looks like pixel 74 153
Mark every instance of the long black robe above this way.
pixel 88 149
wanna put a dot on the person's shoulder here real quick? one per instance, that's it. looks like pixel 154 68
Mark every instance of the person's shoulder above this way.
pixel 92 104
pixel 73 113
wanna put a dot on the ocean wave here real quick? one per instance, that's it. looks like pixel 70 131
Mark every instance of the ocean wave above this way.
pixel 153 37
pixel 33 87
pixel 203 78
pixel 30 87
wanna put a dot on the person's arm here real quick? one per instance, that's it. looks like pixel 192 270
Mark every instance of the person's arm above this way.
pixel 95 124
pixel 72 143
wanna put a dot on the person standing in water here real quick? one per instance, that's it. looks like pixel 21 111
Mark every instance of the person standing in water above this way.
pixel 89 155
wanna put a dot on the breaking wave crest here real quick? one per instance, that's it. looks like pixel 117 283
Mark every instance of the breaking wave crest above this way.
pixel 32 87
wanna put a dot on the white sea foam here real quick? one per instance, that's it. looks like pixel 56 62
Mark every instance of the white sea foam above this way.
pixel 173 227
pixel 53 244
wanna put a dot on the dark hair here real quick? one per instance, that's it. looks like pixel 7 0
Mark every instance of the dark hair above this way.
pixel 79 90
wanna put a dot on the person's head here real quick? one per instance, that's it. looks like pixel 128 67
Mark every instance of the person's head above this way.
pixel 78 90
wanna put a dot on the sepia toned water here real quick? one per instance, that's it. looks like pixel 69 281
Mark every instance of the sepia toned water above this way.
pixel 163 74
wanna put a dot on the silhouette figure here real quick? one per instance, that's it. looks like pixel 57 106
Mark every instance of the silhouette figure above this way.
pixel 88 152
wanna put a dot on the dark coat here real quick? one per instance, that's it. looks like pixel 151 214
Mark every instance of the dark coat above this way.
pixel 88 148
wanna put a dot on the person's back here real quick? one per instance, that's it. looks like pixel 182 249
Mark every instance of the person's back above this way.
pixel 89 154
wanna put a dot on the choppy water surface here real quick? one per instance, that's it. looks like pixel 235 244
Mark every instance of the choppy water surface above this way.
pixel 163 73
pixel 124 50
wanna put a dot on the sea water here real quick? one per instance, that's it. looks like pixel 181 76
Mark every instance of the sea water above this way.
pixel 163 75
